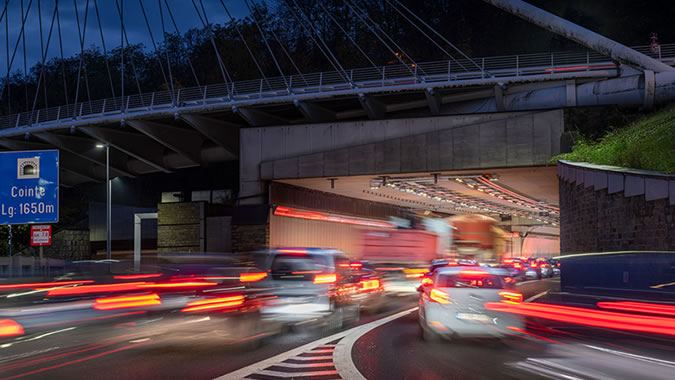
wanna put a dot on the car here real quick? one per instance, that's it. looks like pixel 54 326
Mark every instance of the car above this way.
pixel 544 267
pixel 555 265
pixel 311 286
pixel 451 305
pixel 163 300
pixel 370 293
pixel 530 268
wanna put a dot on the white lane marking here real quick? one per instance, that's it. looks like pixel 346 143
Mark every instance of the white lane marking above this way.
pixel 343 351
pixel 312 357
pixel 537 296
pixel 543 371
pixel 304 365
pixel 324 351
pixel 139 340
pixel 261 365
pixel 633 356
pixel 297 374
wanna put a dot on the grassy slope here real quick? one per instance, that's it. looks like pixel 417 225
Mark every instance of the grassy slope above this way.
pixel 648 143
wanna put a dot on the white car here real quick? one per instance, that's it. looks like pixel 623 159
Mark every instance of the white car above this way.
pixel 452 304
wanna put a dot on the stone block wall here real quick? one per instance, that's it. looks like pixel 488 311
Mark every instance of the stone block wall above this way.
pixel 66 245
pixel 596 218
pixel 180 227
pixel 247 238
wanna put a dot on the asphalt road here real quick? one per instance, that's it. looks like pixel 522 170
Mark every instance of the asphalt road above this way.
pixel 391 349
pixel 116 352
pixel 405 356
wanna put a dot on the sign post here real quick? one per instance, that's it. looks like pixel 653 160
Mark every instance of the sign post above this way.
pixel 29 188
pixel 41 235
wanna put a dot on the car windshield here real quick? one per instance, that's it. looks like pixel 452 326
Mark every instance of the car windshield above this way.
pixel 459 280
pixel 299 267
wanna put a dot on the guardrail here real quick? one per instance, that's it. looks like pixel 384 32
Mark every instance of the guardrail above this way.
pixel 331 81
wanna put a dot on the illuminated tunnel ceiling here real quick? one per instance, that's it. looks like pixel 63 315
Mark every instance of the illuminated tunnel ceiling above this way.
pixel 530 193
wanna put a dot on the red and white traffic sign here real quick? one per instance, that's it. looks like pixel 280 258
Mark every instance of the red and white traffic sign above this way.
pixel 40 234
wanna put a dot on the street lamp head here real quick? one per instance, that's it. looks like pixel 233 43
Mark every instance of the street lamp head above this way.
pixel 101 146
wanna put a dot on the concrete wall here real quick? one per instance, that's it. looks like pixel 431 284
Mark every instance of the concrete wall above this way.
pixel 396 146
pixel 608 209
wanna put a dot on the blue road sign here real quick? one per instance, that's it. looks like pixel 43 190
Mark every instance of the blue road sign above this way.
pixel 29 187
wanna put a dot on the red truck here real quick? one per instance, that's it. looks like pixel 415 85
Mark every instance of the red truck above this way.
pixel 400 256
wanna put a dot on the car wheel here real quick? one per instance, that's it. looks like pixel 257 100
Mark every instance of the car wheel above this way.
pixel 250 328
pixel 428 336
pixel 336 319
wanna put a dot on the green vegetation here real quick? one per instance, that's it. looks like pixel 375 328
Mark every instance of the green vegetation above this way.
pixel 648 143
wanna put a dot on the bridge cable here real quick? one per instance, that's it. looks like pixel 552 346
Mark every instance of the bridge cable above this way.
pixel 123 32
pixel 166 48
pixel 16 46
pixel 443 38
pixel 333 61
pixel 403 52
pixel 42 68
pixel 42 48
pixel 105 51
pixel 250 52
pixel 82 35
pixel 120 12
pixel 221 64
pixel 25 69
pixel 6 15
pixel 63 61
pixel 425 34
pixel 286 53
pixel 187 43
pixel 262 35
pixel 370 28
pixel 159 55
pixel 349 37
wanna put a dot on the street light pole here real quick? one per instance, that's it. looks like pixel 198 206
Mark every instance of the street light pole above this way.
pixel 108 201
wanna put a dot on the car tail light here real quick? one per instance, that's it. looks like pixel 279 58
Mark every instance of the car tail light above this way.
pixel 214 304
pixel 369 284
pixel 10 328
pixel 326 278
pixel 293 251
pixel 113 303
pixel 533 264
pixel 439 296
pixel 252 276
pixel 558 264
pixel 427 281
pixel 452 263
pixel 414 275
pixel 517 265
pixel 511 297
pixel 356 265
pixel 473 272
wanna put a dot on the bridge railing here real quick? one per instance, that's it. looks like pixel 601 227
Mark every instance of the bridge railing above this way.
pixel 331 81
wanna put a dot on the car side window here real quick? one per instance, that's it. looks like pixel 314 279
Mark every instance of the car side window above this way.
pixel 342 266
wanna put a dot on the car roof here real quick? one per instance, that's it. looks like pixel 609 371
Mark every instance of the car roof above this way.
pixel 305 250
pixel 488 270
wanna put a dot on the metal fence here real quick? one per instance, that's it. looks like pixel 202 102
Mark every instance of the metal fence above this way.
pixel 331 81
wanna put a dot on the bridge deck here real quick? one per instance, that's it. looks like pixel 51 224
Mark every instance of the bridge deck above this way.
pixel 278 89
